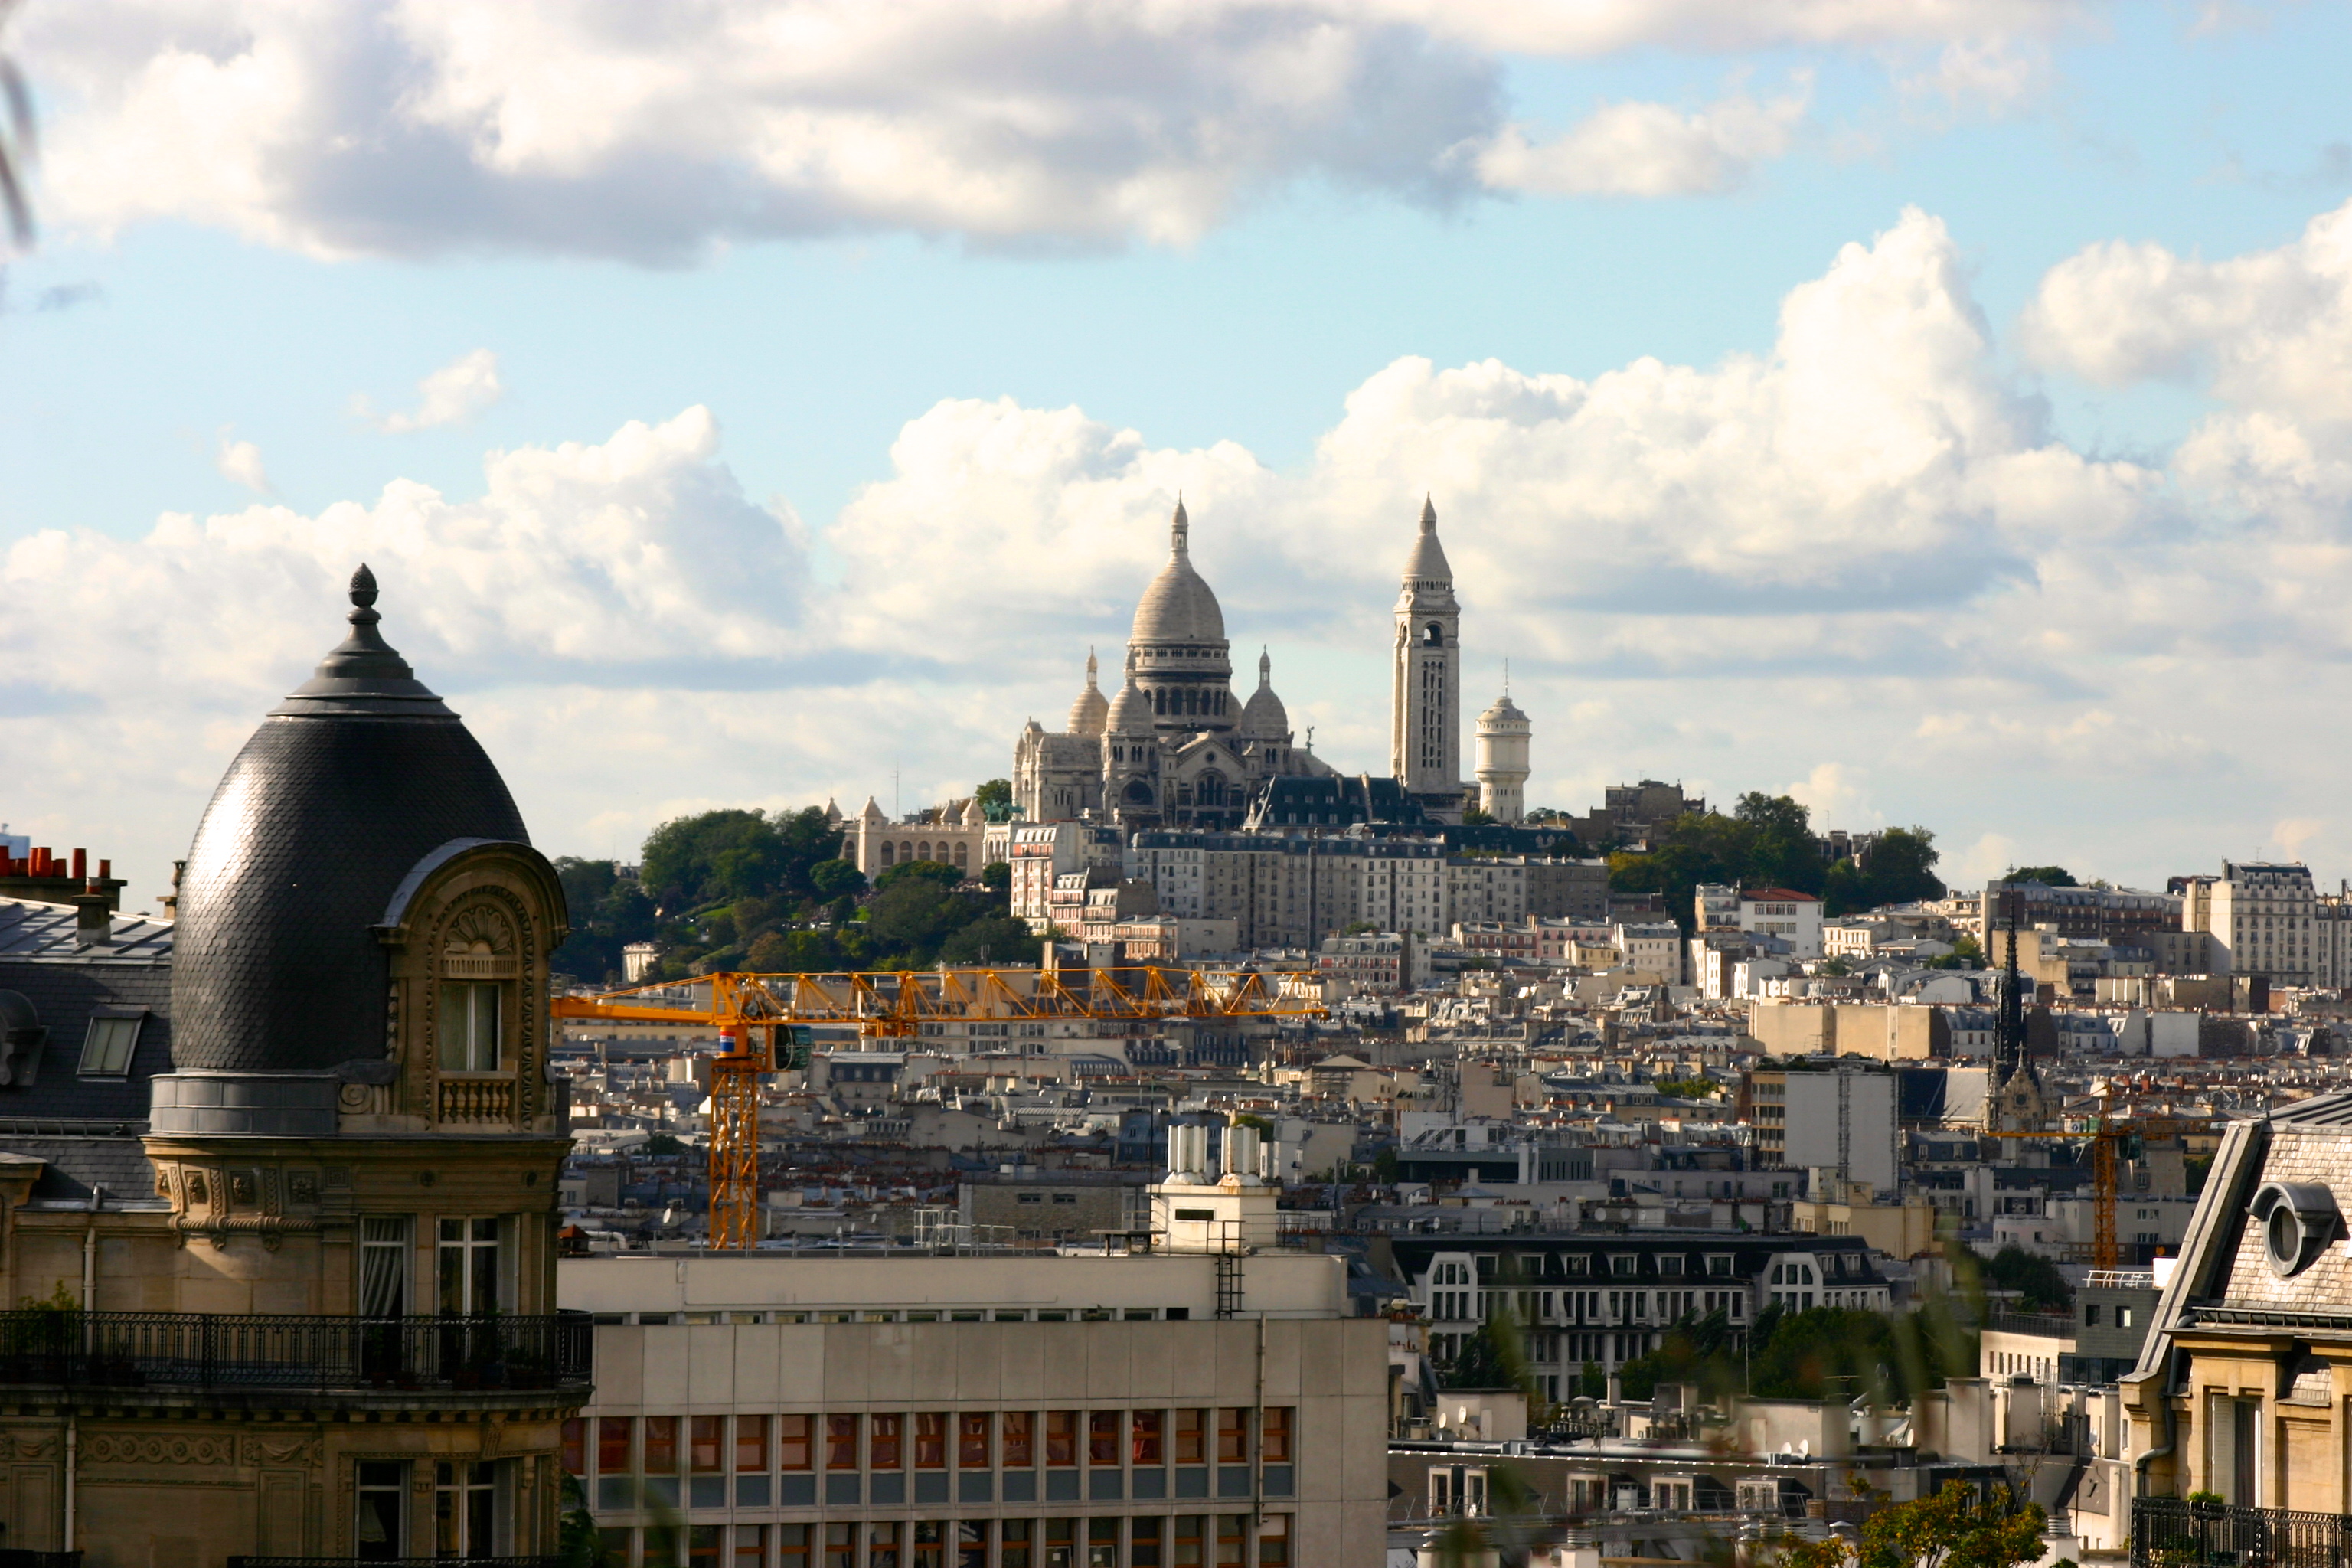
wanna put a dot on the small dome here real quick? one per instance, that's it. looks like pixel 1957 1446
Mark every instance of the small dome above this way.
pixel 1504 714
pixel 1264 715
pixel 1178 607
pixel 1428 558
pixel 1130 710
pixel 348 782
pixel 1092 709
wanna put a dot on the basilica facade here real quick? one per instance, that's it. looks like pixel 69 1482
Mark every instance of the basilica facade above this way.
pixel 1174 748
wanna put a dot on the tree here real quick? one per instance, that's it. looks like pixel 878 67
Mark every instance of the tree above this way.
pixel 831 880
pixel 2038 1280
pixel 719 857
pixel 1965 954
pixel 607 911
pixel 2048 876
pixel 997 940
pixel 1474 816
pixel 1900 870
pixel 995 798
pixel 1782 852
pixel 997 878
pixel 1952 1529
pixel 931 872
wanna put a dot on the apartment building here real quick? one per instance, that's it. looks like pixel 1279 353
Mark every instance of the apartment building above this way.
pixel 1584 1298
pixel 2264 918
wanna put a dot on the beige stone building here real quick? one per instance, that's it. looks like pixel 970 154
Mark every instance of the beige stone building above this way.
pixel 2243 1387
pixel 284 1190
pixel 1012 1409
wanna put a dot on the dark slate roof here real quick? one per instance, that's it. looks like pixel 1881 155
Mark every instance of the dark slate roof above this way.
pixel 76 1164
pixel 65 993
pixel 347 785
pixel 31 928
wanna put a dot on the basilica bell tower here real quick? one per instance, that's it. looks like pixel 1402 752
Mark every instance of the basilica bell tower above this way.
pixel 1425 702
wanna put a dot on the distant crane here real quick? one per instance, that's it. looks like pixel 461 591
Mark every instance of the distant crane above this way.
pixel 762 1022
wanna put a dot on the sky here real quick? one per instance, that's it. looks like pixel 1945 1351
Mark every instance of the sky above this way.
pixel 1939 410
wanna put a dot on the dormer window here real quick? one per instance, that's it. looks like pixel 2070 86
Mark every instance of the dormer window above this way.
pixel 114 1035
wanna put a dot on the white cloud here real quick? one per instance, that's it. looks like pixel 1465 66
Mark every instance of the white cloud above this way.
pixel 1649 149
pixel 2269 330
pixel 418 127
pixel 1833 795
pixel 1860 556
pixel 1995 77
pixel 456 392
pixel 239 462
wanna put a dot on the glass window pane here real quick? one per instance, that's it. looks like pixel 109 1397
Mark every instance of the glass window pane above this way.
pixel 931 1440
pixel 752 1443
pixel 884 1447
pixel 972 1440
pixel 1145 1427
pixel 1102 1437
pixel 661 1445
pixel 841 1442
pixel 703 1442
pixel 612 1433
pixel 794 1440
pixel 1020 1439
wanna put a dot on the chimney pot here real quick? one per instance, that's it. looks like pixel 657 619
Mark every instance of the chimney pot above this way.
pixel 81 863
pixel 105 870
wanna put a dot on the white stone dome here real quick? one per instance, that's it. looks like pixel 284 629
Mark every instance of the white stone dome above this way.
pixel 1264 715
pixel 1091 711
pixel 1130 710
pixel 1179 607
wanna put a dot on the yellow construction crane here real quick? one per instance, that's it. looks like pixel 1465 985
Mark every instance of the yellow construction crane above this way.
pixel 2106 1140
pixel 751 1011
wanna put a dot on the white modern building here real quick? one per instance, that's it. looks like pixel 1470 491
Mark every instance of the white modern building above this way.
pixel 1126 1407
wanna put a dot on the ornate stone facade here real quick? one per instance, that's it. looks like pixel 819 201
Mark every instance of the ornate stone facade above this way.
pixel 320 1318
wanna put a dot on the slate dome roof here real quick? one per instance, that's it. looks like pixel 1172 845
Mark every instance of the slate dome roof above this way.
pixel 348 783
pixel 1179 607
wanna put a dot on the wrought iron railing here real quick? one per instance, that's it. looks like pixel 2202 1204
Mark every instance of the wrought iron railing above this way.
pixel 215 1350
pixel 2174 1532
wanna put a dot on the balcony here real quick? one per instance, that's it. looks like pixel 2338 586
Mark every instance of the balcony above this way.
pixel 2173 1533
pixel 168 1352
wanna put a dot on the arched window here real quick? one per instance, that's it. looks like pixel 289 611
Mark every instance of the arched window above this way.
pixel 1159 701
pixel 905 850
pixel 963 856
pixel 922 851
pixel 889 855
pixel 1138 794
pixel 1434 635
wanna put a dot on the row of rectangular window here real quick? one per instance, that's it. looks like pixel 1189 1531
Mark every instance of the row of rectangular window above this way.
pixel 1180 1541
pixel 890 1440
pixel 894 1489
